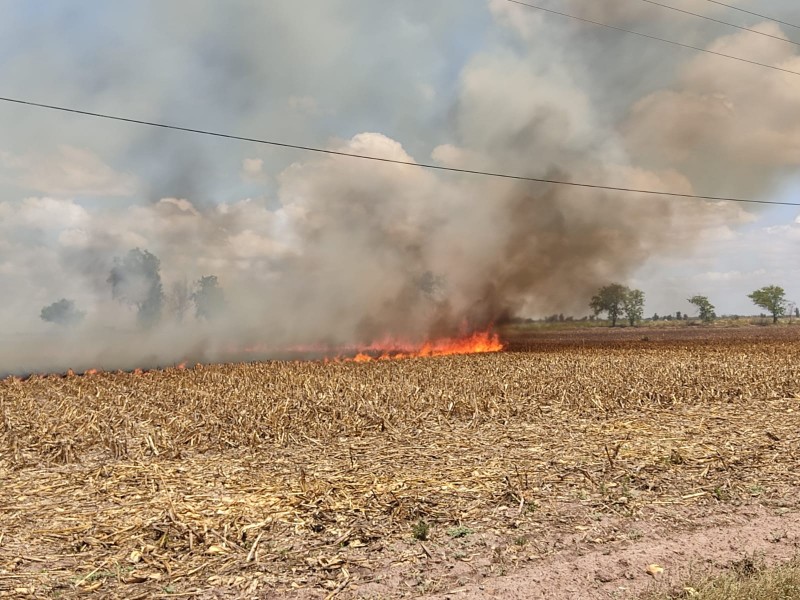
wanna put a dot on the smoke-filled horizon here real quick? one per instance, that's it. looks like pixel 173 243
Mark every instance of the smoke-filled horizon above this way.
pixel 330 251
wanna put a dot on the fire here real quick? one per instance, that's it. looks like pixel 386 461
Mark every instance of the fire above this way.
pixel 387 349
pixel 476 343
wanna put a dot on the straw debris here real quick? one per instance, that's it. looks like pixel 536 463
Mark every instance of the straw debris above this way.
pixel 286 475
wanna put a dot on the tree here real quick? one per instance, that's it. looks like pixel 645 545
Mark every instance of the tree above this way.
pixel 179 300
pixel 771 298
pixel 610 299
pixel 62 312
pixel 618 300
pixel 655 317
pixel 136 280
pixel 707 314
pixel 633 306
pixel 209 300
pixel 679 315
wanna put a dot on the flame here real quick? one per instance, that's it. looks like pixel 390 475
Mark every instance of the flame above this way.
pixel 476 343
pixel 388 349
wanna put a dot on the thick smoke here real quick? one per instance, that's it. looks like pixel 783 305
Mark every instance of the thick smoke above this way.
pixel 332 251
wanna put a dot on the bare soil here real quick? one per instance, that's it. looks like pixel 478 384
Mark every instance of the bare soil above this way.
pixel 683 543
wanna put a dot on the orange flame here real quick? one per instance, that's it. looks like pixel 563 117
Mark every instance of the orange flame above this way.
pixel 477 343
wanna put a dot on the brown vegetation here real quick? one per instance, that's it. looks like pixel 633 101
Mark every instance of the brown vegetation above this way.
pixel 278 476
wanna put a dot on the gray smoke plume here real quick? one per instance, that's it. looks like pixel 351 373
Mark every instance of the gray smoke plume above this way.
pixel 324 251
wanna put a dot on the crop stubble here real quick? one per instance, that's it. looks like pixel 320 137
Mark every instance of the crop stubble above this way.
pixel 269 476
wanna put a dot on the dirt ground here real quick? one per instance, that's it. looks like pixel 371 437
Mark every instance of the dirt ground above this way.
pixel 563 469
pixel 613 559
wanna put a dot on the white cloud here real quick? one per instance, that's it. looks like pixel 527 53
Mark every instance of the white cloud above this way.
pixel 182 205
pixel 253 170
pixel 70 172
pixel 42 213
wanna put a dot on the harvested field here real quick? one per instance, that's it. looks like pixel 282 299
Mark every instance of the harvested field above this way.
pixel 254 480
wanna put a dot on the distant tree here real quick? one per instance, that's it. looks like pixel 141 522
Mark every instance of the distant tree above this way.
pixel 655 317
pixel 797 312
pixel 771 298
pixel 179 300
pixel 679 315
pixel 62 312
pixel 136 280
pixel 633 306
pixel 209 300
pixel 610 299
pixel 706 309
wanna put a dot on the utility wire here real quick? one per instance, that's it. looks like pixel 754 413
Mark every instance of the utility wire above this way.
pixel 694 14
pixel 754 14
pixel 653 37
pixel 390 160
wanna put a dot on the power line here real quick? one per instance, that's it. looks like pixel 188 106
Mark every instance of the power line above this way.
pixel 754 14
pixel 694 14
pixel 390 160
pixel 653 37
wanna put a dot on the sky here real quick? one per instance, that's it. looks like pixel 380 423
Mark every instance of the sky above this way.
pixel 480 84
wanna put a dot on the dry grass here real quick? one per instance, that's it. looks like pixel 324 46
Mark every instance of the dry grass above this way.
pixel 747 581
pixel 280 475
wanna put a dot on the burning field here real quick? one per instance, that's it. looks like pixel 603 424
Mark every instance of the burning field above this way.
pixel 386 478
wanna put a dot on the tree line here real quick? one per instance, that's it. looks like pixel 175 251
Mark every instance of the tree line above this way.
pixel 135 281
pixel 617 301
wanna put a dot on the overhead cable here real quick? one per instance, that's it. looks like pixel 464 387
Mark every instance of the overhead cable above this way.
pixel 749 12
pixel 499 175
pixel 653 37
pixel 694 14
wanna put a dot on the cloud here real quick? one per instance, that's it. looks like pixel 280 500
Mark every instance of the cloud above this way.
pixel 41 213
pixel 253 169
pixel 69 172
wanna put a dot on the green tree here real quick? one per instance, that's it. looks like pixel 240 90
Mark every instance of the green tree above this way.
pixel 707 314
pixel 610 299
pixel 771 298
pixel 633 306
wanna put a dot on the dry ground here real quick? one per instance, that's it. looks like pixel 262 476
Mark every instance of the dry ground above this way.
pixel 306 479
